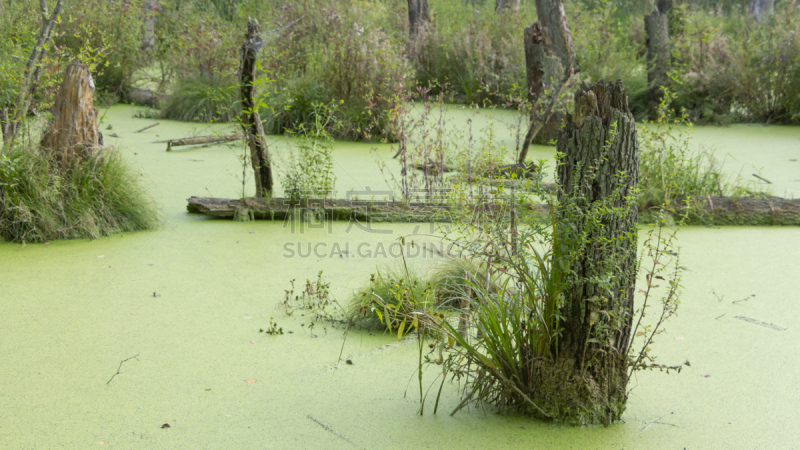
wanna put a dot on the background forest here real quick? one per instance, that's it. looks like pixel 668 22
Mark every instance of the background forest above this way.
pixel 356 55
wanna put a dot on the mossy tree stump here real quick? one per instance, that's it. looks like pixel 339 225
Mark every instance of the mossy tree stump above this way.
pixel 73 133
pixel 599 169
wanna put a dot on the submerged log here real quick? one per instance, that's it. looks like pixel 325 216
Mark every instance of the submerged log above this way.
pixel 282 208
pixel 73 132
pixel 202 140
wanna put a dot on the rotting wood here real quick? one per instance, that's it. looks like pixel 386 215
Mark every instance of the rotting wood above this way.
pixel 201 140
pixel 250 120
pixel 73 131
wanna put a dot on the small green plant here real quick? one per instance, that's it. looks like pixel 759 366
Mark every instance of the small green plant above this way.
pixel 272 329
pixel 310 173
pixel 315 300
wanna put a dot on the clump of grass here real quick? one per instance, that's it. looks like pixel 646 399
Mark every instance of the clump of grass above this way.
pixel 393 297
pixel 41 200
pixel 390 299
pixel 203 98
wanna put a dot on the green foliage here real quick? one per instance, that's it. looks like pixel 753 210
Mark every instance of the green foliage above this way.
pixel 471 53
pixel 669 168
pixel 310 173
pixel 352 63
pixel 203 98
pixel 41 200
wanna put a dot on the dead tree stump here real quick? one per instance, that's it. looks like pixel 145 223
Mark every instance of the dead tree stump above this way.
pixel 599 169
pixel 658 58
pixel 73 132
pixel 250 120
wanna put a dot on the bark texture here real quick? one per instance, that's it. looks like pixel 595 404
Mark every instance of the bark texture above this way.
pixel 553 20
pixel 251 122
pixel 761 9
pixel 658 58
pixel 73 132
pixel 543 68
pixel 417 16
pixel 600 168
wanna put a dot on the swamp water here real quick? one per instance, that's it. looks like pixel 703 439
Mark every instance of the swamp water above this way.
pixel 190 297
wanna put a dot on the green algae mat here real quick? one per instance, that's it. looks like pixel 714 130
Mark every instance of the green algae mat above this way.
pixel 189 298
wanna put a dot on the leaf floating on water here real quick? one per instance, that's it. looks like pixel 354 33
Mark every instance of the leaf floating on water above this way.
pixel 208 389
pixel 102 256
pixel 252 342
pixel 106 267
pixel 250 381
pixel 706 376
pixel 166 425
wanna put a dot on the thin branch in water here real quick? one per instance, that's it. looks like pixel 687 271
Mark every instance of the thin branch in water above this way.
pixel 136 357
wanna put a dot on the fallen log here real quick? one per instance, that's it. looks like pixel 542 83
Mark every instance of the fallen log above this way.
pixel 731 211
pixel 701 211
pixel 282 208
pixel 201 140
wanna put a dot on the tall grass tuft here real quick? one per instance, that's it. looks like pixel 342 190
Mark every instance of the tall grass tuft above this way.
pixel 41 200
pixel 203 98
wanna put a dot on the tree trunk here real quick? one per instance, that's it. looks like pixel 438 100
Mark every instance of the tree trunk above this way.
pixel 31 76
pixel 417 16
pixel 761 9
pixel 658 58
pixel 506 5
pixel 556 32
pixel 73 134
pixel 599 169
pixel 148 25
pixel 251 122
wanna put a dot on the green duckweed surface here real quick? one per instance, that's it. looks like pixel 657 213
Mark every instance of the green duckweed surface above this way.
pixel 190 297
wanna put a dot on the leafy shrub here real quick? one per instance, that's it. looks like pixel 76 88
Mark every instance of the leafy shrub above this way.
pixel 310 173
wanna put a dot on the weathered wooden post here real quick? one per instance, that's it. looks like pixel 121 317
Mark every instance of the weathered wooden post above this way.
pixel 250 120
pixel 599 169
pixel 73 134
pixel 658 58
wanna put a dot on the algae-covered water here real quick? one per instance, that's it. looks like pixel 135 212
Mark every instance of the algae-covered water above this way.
pixel 190 297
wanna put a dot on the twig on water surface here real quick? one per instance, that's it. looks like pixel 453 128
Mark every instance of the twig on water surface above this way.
pixel 148 127
pixel 720 316
pixel 328 428
pixel 659 422
pixel 136 357
pixel 744 299
pixel 762 179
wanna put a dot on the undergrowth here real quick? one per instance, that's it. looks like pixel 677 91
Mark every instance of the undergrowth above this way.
pixel 40 200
